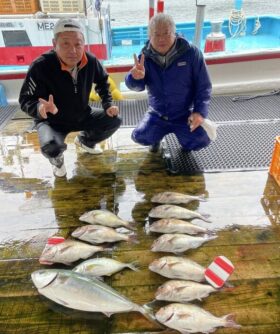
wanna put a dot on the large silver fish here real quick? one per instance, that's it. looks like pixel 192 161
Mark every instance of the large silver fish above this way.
pixel 178 268
pixel 80 292
pixel 103 266
pixel 173 225
pixel 98 234
pixel 188 318
pixel 183 291
pixel 106 218
pixel 175 211
pixel 178 243
pixel 171 197
pixel 68 251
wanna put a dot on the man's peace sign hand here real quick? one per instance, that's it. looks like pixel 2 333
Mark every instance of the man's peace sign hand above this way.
pixel 138 70
pixel 47 106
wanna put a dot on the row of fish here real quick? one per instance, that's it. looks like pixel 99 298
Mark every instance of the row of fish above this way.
pixel 103 230
pixel 187 280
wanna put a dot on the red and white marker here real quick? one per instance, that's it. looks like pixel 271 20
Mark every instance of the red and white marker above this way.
pixel 55 240
pixel 219 271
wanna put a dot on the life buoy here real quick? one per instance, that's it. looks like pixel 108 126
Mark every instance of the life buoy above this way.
pixel 116 94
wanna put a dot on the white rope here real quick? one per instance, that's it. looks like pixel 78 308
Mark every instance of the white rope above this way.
pixel 257 26
pixel 237 23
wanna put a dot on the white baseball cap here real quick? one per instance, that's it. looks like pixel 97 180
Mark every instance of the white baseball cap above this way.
pixel 68 24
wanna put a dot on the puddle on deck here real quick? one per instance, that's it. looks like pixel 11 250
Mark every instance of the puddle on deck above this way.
pixel 244 209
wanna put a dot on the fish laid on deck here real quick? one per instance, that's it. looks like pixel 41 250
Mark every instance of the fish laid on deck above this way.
pixel 181 291
pixel 98 234
pixel 173 225
pixel 178 268
pixel 170 197
pixel 68 251
pixel 188 318
pixel 178 243
pixel 105 218
pixel 175 211
pixel 80 292
pixel 103 267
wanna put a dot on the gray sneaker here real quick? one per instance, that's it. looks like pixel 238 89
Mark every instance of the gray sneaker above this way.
pixel 58 166
pixel 96 149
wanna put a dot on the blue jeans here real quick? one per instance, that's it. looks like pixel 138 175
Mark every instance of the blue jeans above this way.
pixel 153 128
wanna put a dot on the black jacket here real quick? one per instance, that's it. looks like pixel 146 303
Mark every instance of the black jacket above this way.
pixel 46 77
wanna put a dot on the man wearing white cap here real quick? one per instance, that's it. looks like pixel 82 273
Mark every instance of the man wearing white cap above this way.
pixel 56 94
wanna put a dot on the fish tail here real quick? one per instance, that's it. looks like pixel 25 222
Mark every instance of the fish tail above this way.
pixel 202 198
pixel 148 314
pixel 133 239
pixel 132 226
pixel 134 266
pixel 230 321
pixel 205 217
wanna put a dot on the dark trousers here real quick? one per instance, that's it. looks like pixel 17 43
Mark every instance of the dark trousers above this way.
pixel 97 126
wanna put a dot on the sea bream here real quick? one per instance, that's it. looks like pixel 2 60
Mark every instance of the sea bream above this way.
pixel 175 211
pixel 171 197
pixel 98 234
pixel 103 266
pixel 173 225
pixel 79 292
pixel 178 268
pixel 181 291
pixel 105 218
pixel 188 318
pixel 68 251
pixel 178 243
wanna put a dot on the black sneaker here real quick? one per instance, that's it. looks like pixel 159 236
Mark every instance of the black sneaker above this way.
pixel 154 148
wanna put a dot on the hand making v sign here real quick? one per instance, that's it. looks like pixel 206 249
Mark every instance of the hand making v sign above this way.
pixel 47 106
pixel 138 70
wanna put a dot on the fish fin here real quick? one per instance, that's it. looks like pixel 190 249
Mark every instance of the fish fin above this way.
pixel 49 263
pixel 147 312
pixel 230 321
pixel 107 314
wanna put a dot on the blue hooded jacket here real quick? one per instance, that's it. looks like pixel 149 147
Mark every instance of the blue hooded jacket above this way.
pixel 177 86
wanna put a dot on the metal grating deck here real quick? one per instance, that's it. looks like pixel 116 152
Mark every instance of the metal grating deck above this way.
pixel 239 147
pixel 6 113
pixel 131 111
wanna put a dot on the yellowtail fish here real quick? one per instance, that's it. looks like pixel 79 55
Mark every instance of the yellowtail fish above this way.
pixel 79 292
pixel 170 197
pixel 105 218
pixel 173 225
pixel 175 211
pixel 178 243
pixel 103 266
pixel 98 234
pixel 68 251
pixel 178 268
pixel 188 318
pixel 181 291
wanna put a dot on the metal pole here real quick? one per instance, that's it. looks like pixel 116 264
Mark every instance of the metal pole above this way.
pixel 200 9
pixel 151 8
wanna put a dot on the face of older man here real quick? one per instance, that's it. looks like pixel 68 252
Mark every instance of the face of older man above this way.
pixel 69 46
pixel 162 38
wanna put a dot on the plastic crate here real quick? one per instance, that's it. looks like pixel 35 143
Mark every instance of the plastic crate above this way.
pixel 274 168
pixel 19 6
pixel 62 6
